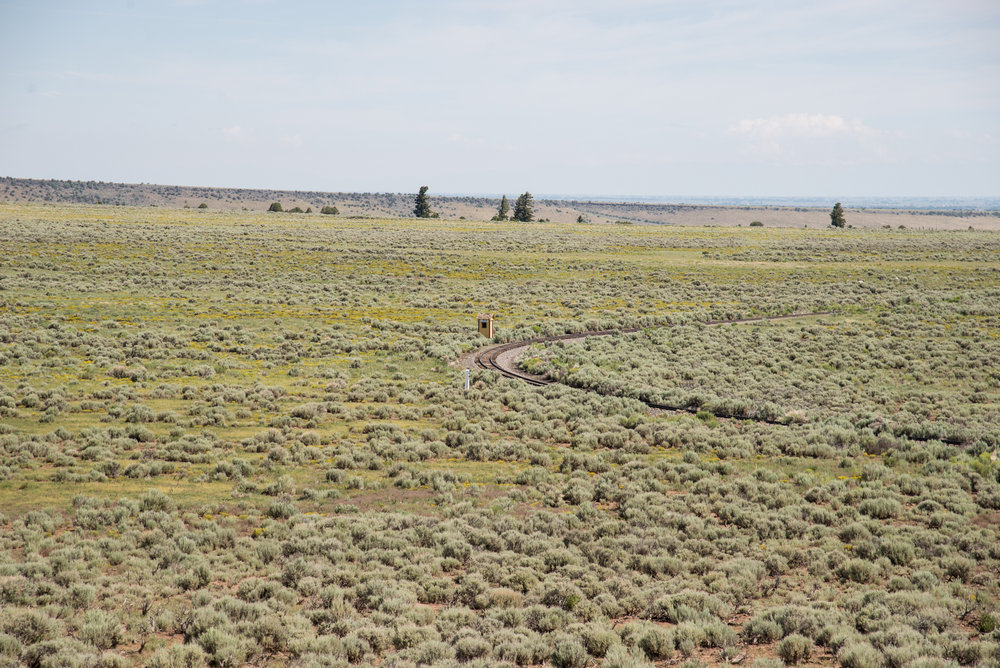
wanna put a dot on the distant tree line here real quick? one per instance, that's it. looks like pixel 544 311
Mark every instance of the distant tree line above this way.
pixel 277 208
pixel 524 209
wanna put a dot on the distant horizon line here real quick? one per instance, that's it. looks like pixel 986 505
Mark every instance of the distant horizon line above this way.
pixel 980 202
pixel 875 201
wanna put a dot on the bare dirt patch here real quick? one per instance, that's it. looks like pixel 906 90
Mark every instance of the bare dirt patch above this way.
pixel 987 520
pixel 390 497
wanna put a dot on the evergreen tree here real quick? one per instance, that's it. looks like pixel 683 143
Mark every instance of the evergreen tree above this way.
pixel 837 216
pixel 504 210
pixel 275 206
pixel 524 209
pixel 422 204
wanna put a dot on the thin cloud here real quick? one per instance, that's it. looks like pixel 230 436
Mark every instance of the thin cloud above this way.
pixel 804 139
pixel 808 126
pixel 234 133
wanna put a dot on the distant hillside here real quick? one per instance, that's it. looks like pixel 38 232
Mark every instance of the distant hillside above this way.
pixel 147 194
pixel 400 205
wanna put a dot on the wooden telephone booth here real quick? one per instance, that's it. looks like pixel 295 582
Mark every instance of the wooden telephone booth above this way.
pixel 484 322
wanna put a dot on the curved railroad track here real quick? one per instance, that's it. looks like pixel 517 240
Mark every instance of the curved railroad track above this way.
pixel 489 358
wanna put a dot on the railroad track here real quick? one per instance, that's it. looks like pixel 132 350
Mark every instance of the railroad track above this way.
pixel 488 358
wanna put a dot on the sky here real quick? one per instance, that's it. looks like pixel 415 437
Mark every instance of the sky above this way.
pixel 575 97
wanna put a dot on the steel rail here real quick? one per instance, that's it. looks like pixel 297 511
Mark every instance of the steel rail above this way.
pixel 487 357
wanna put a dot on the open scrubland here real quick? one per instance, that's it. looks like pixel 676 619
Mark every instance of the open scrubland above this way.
pixel 238 438
pixel 981 216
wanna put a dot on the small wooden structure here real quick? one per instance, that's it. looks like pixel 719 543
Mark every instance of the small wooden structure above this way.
pixel 485 324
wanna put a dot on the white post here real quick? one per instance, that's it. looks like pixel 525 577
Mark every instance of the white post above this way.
pixel 466 380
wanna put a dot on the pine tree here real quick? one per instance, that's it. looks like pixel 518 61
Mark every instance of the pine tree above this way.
pixel 503 210
pixel 837 216
pixel 524 209
pixel 422 204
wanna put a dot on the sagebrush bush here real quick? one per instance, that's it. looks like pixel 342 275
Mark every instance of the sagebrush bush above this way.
pixel 857 570
pixel 101 630
pixel 568 653
pixel 794 649
pixel 619 657
pixel 859 654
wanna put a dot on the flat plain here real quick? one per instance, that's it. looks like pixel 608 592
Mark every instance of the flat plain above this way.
pixel 978 214
pixel 237 438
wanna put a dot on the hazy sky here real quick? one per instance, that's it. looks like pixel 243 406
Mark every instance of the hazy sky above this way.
pixel 624 97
